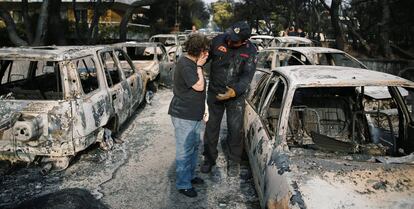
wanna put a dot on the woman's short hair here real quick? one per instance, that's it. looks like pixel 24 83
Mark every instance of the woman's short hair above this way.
pixel 196 44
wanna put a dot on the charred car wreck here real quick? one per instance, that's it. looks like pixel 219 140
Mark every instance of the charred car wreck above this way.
pixel 330 137
pixel 289 56
pixel 57 101
pixel 152 58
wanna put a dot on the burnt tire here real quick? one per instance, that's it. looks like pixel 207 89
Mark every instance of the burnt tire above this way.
pixel 61 163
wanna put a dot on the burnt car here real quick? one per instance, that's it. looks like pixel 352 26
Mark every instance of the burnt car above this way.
pixel 182 38
pixel 292 41
pixel 288 56
pixel 152 58
pixel 57 101
pixel 171 43
pixel 317 138
pixel 262 41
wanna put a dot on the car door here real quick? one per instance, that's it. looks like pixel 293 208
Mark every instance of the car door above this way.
pixel 133 78
pixel 118 87
pixel 166 67
pixel 253 126
pixel 91 107
pixel 263 129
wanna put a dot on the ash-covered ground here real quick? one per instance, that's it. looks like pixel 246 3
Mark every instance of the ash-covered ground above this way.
pixel 138 173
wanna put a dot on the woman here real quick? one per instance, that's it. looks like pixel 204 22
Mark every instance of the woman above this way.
pixel 187 110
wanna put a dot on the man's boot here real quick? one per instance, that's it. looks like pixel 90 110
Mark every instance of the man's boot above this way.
pixel 206 167
pixel 233 169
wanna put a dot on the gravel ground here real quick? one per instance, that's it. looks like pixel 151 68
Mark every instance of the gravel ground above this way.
pixel 138 173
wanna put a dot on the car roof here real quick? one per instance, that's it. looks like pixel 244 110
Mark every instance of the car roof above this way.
pixel 135 43
pixel 293 39
pixel 164 35
pixel 50 53
pixel 324 76
pixel 262 36
pixel 307 50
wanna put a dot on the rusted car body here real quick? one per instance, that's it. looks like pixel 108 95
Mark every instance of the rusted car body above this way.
pixel 57 101
pixel 182 38
pixel 171 43
pixel 292 41
pixel 152 58
pixel 316 138
pixel 288 56
pixel 262 41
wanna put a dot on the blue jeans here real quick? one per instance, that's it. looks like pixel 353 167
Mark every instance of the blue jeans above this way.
pixel 187 136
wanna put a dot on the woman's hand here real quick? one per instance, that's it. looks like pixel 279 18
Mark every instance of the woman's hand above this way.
pixel 202 58
pixel 206 115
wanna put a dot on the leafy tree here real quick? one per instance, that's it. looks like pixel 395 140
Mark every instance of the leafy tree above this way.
pixel 222 14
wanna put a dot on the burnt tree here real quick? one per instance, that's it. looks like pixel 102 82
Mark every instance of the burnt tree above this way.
pixel 384 29
pixel 336 22
pixel 36 39
pixel 56 32
pixel 11 28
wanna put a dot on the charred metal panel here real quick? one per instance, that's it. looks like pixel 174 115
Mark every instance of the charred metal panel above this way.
pixel 42 129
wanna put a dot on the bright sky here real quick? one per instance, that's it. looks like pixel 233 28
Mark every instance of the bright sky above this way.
pixel 209 1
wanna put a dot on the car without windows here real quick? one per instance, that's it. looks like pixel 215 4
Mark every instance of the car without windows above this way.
pixel 153 59
pixel 171 43
pixel 262 41
pixel 288 56
pixel 182 38
pixel 57 101
pixel 318 137
pixel 292 41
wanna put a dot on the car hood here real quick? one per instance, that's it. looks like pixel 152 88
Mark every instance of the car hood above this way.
pixel 332 182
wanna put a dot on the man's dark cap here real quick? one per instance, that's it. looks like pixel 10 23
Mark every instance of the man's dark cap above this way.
pixel 239 31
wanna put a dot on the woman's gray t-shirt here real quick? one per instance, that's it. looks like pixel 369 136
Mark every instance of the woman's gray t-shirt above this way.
pixel 187 103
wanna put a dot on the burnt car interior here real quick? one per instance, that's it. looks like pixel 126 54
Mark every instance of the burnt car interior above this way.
pixel 167 41
pixel 264 59
pixel 112 72
pixel 289 58
pixel 141 53
pixel 30 80
pixel 87 73
pixel 345 119
pixel 336 59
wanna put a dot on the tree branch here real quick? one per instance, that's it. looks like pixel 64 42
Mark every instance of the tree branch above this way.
pixel 11 28
pixel 26 20
pixel 123 26
pixel 327 7
pixel 41 29
pixel 78 35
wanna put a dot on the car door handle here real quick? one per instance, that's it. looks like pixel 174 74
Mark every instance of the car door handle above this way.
pixel 113 96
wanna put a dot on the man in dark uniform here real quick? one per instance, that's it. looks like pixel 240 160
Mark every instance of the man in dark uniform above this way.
pixel 233 64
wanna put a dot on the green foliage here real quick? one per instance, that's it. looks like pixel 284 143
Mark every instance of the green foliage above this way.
pixel 222 14
pixel 197 22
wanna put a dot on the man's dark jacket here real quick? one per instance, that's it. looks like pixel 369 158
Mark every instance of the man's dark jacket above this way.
pixel 231 67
